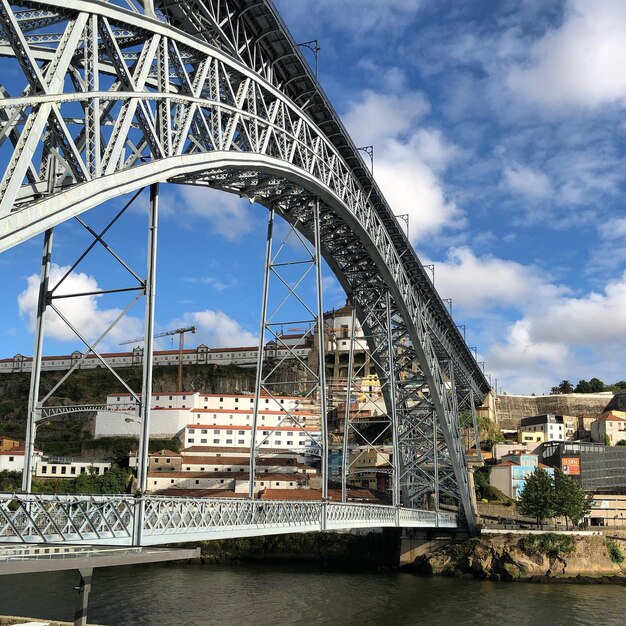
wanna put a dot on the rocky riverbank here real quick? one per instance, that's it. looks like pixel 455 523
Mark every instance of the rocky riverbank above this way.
pixel 548 557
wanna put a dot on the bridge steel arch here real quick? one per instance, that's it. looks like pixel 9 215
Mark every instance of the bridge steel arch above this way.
pixel 118 96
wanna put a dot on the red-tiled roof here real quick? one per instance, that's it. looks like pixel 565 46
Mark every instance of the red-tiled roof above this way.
pixel 202 493
pixel 293 428
pixel 168 453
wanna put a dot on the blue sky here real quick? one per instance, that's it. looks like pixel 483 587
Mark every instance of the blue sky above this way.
pixel 498 127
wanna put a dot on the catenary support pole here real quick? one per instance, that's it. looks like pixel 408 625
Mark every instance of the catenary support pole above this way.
pixel 345 460
pixel 260 353
pixel 34 409
pixel 321 352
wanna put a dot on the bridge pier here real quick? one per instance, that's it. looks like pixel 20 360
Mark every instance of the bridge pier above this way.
pixel 415 543
pixel 83 588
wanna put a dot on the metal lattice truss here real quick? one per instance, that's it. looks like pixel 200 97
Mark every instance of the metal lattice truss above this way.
pixel 116 96
pixel 114 520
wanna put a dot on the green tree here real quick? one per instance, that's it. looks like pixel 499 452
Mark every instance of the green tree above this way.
pixel 596 385
pixel 621 442
pixel 563 387
pixel 607 440
pixel 570 500
pixel 582 387
pixel 537 497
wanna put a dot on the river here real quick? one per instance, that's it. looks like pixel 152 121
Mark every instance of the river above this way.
pixel 277 594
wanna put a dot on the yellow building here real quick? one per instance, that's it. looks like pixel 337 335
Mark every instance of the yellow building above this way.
pixel 530 437
pixel 7 444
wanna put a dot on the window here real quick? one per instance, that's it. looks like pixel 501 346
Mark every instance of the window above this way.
pixel 156 460
pixel 44 469
pixel 203 440
pixel 170 397
pixel 204 432
pixel 11 459
pixel 229 432
pixel 171 481
pixel 54 469
pixel 229 441
pixel 216 440
pixel 215 469
pixel 191 441
pixel 197 482
pixel 202 469
pixel 290 443
pixel 216 432
pixel 167 460
pixel 73 470
pixel 240 441
pixel 242 432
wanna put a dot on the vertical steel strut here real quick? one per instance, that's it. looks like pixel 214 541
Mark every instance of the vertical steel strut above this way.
pixel 260 352
pixel 33 396
pixel 146 385
pixel 345 461
pixel 321 351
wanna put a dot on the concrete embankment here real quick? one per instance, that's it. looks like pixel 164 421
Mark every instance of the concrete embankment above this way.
pixel 339 549
pixel 544 557
pixel 10 620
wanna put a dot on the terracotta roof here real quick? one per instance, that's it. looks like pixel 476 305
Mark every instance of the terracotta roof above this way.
pixel 609 417
pixel 316 494
pixel 239 460
pixel 164 453
pixel 202 493
pixel 251 411
pixel 294 428
pixel 215 450
pixel 232 475
pixel 18 451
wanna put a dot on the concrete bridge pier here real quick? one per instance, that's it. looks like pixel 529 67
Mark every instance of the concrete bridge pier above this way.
pixel 415 543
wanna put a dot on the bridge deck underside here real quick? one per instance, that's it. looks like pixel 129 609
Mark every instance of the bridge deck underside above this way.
pixel 113 520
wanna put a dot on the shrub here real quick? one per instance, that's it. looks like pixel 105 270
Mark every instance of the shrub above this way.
pixel 615 554
pixel 551 545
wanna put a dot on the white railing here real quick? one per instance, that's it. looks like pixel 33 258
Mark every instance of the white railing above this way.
pixel 113 520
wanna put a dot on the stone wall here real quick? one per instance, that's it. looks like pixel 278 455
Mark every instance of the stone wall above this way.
pixel 510 409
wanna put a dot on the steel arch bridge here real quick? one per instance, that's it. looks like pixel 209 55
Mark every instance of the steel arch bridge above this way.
pixel 117 95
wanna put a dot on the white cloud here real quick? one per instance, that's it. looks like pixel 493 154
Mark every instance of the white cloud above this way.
pixel 528 182
pixel 407 160
pixel 581 62
pixel 564 337
pixel 477 284
pixel 613 229
pixel 217 330
pixel 354 16
pixel 84 312
pixel 228 215
pixel 376 116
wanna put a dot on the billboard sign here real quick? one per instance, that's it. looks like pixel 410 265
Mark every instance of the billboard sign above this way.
pixel 570 466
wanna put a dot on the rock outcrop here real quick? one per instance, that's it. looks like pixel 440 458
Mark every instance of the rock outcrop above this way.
pixel 524 557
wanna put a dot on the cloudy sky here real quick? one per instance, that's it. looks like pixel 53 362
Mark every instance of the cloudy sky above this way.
pixel 498 127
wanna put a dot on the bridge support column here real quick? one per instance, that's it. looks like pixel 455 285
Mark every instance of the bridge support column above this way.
pixel 35 372
pixel 146 386
pixel 416 543
pixel 83 588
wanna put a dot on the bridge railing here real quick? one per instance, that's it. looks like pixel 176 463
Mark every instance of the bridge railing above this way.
pixel 154 520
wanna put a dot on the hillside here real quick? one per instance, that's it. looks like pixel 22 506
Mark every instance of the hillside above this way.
pixel 67 436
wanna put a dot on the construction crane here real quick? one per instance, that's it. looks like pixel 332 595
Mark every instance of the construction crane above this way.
pixel 181 346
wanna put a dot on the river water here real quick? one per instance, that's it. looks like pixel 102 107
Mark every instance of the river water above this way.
pixel 277 594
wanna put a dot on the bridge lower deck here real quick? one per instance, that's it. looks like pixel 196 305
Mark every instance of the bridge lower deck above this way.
pixel 158 520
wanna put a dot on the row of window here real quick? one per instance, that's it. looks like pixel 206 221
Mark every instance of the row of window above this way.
pixel 72 468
